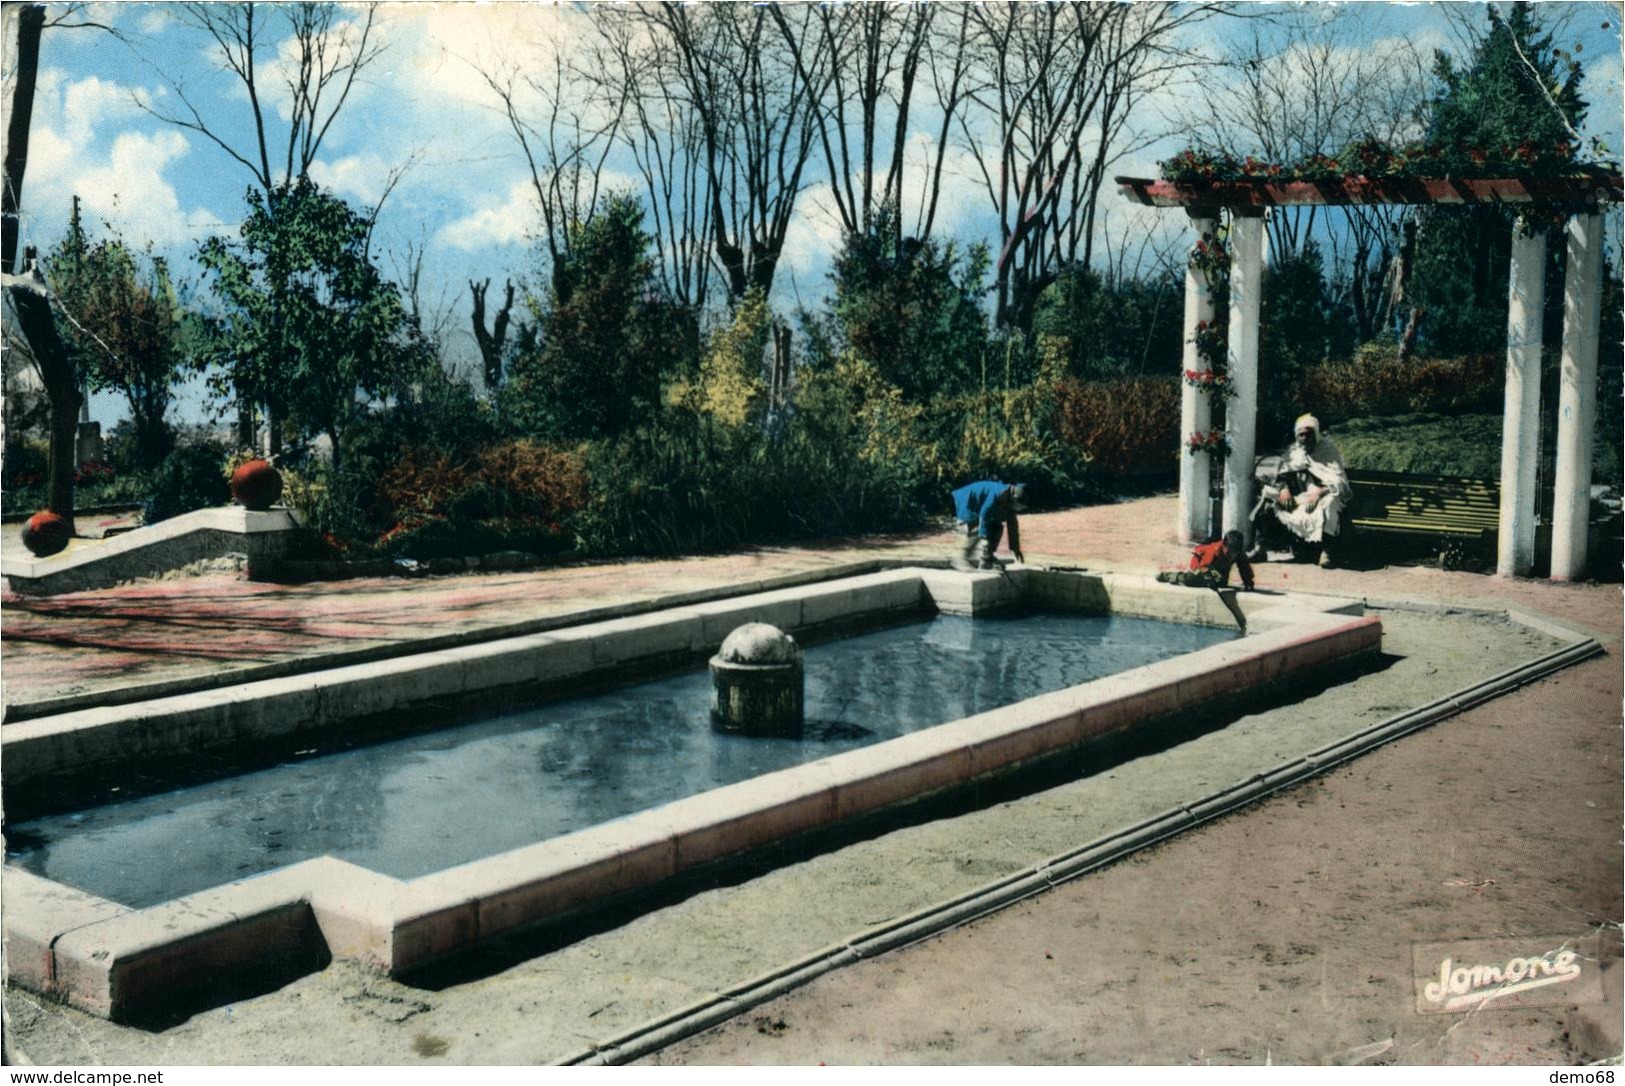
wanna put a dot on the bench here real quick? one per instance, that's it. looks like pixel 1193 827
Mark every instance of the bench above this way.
pixel 1386 501
pixel 1464 514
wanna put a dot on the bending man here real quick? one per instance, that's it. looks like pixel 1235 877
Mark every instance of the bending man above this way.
pixel 985 508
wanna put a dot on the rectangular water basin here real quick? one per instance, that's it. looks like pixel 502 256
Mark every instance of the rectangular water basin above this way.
pixel 402 852
pixel 430 801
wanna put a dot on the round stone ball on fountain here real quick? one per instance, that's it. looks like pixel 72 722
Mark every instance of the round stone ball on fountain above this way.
pixel 757 682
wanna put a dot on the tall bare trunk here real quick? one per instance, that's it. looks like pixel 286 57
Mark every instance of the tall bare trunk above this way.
pixel 30 21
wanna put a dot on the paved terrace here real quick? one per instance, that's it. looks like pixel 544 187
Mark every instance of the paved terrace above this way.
pixel 189 629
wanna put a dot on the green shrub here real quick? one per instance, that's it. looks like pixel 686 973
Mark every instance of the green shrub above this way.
pixel 608 338
pixel 844 461
pixel 26 465
pixel 130 451
pixel 1301 328
pixel 189 478
pixel 912 307
pixel 1112 330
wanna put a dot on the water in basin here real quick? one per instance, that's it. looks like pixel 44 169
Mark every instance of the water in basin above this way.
pixel 432 800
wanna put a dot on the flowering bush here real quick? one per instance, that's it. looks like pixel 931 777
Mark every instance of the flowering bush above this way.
pixel 1372 159
pixel 1211 381
pixel 94 471
pixel 1211 256
pixel 1194 164
pixel 1212 339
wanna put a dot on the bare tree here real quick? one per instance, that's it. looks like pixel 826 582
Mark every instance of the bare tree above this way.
pixel 1305 84
pixel 666 137
pixel 433 316
pixel 1055 87
pixel 23 71
pixel 874 54
pixel 492 341
pixel 314 79
pixel 565 132
pixel 755 105
pixel 26 290
pixel 1302 85
pixel 315 53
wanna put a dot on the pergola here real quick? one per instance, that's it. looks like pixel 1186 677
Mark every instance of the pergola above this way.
pixel 1581 198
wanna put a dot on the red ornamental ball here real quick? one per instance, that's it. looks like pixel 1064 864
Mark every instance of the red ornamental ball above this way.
pixel 256 485
pixel 46 533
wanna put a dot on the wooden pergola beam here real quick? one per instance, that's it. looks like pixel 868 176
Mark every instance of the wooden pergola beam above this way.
pixel 1590 189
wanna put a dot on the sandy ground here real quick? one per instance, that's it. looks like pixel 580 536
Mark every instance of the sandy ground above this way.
pixel 1281 934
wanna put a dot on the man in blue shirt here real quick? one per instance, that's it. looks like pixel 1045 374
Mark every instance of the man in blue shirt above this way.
pixel 984 508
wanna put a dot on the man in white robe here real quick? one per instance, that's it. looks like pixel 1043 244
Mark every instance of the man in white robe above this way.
pixel 1313 484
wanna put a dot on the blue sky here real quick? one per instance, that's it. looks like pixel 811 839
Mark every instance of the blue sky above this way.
pixel 466 201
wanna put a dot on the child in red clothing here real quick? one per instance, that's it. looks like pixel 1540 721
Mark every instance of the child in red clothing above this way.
pixel 1210 568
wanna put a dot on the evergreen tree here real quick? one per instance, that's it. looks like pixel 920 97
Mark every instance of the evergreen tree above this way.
pixel 607 338
pixel 1516 91
pixel 910 307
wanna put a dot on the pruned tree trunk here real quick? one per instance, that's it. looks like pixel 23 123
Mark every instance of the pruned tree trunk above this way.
pixel 273 432
pixel 245 422
pixel 779 381
pixel 1407 341
pixel 491 342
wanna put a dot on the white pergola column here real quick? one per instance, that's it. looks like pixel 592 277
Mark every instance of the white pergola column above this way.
pixel 1241 413
pixel 1520 432
pixel 1195 409
pixel 1577 397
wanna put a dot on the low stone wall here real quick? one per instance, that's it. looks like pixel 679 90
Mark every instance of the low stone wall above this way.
pixel 157 549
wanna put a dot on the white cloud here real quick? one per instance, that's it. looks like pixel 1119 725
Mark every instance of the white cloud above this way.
pixel 814 234
pixel 131 189
pixel 155 19
pixel 507 221
pixel 85 142
pixel 436 52
pixel 963 195
pixel 92 105
pixel 360 176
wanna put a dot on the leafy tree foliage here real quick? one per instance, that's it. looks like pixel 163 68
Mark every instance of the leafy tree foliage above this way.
pixel 129 331
pixel 608 336
pixel 1303 325
pixel 309 319
pixel 1112 330
pixel 1516 88
pixel 911 307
